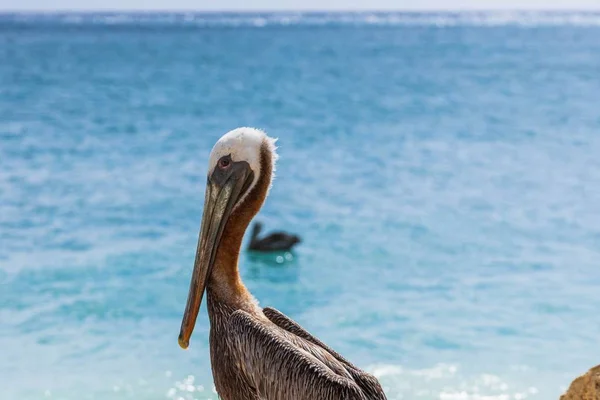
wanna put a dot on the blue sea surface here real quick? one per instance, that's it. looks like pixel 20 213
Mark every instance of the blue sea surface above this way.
pixel 442 169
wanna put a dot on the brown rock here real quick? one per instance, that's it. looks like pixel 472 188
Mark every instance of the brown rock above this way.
pixel 586 387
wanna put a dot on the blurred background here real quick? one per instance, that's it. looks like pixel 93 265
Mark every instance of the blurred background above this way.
pixel 442 168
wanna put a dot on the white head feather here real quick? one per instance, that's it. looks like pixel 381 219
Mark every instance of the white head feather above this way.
pixel 244 144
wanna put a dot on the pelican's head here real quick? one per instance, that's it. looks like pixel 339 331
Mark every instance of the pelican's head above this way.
pixel 240 170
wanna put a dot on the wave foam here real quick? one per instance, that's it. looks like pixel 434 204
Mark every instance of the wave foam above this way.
pixel 447 382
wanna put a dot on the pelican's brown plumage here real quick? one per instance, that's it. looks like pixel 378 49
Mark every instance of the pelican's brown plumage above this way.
pixel 256 354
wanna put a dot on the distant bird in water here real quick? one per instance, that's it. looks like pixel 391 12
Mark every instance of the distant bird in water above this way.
pixel 274 241
pixel 256 353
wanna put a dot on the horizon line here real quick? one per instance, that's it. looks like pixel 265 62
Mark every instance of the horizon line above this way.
pixel 295 10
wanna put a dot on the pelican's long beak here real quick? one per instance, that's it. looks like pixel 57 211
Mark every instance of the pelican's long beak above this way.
pixel 223 190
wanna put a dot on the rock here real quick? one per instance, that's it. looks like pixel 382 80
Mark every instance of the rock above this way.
pixel 586 387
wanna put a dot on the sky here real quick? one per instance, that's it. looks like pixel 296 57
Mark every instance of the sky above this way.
pixel 241 5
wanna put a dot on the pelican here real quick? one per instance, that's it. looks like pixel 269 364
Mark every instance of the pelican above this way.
pixel 274 241
pixel 256 353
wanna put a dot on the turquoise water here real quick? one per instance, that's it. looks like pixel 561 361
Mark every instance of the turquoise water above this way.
pixel 442 169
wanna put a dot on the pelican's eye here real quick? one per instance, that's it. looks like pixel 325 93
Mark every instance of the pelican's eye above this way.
pixel 224 162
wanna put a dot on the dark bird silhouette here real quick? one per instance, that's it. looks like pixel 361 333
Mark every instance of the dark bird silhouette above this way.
pixel 274 241
pixel 256 353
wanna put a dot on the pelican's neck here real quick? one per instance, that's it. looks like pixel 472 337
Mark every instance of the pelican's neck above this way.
pixel 226 285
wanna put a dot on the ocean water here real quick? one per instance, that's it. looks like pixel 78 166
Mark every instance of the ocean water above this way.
pixel 442 169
